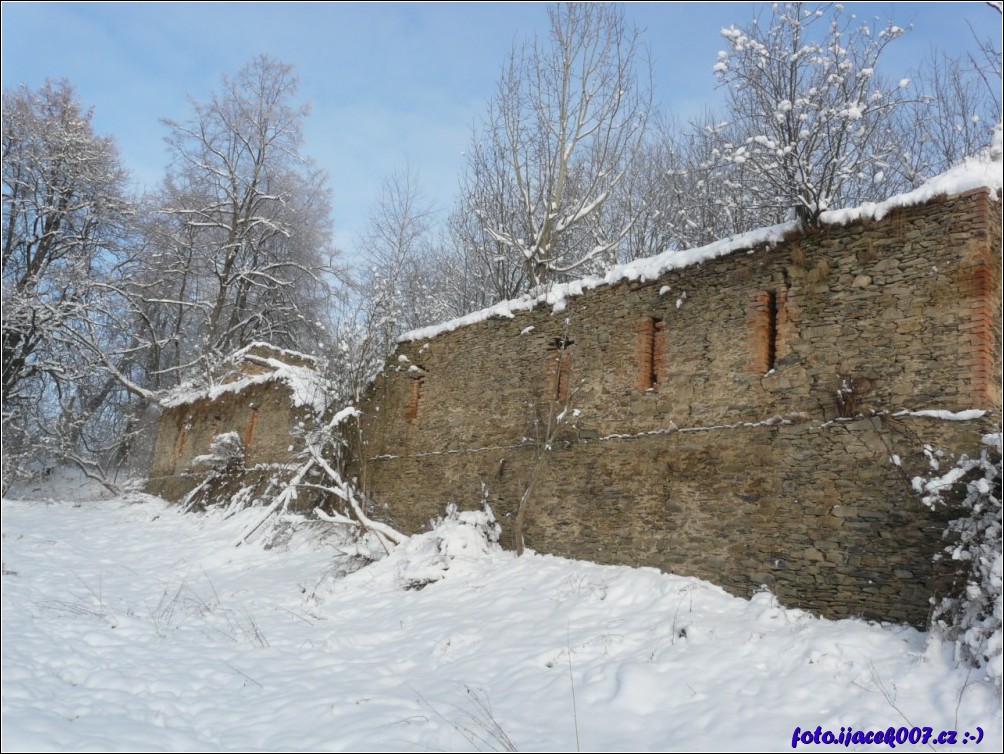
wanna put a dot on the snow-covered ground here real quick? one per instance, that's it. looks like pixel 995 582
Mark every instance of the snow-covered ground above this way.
pixel 130 626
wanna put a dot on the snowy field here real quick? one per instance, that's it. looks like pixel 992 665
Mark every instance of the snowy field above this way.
pixel 128 626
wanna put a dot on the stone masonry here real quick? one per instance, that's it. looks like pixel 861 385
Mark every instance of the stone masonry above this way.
pixel 255 400
pixel 735 420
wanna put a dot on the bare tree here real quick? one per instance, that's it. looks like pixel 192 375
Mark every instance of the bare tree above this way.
pixel 988 64
pixel 64 217
pixel 467 272
pixel 402 284
pixel 487 269
pixel 248 237
pixel 813 116
pixel 416 273
pixel 650 204
pixel 953 118
pixel 560 134
pixel 63 203
pixel 396 282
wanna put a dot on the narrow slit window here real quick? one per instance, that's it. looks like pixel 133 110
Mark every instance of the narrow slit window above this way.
pixel 982 339
pixel 414 397
pixel 179 446
pixel 559 358
pixel 650 343
pixel 771 344
pixel 768 322
pixel 560 368
pixel 249 432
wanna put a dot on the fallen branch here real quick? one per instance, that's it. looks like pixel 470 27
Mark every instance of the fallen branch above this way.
pixel 387 535
pixel 281 501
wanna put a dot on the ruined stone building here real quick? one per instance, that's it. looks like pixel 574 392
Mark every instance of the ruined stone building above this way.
pixel 264 394
pixel 750 413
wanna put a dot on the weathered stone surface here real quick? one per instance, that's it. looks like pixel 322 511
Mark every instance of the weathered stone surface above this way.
pixel 744 436
pixel 263 413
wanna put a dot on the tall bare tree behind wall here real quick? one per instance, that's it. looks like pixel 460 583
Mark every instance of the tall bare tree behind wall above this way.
pixel 812 115
pixel 561 132
pixel 65 214
pixel 396 281
pixel 245 236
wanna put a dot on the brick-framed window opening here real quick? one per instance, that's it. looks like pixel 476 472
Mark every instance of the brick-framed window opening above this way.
pixel 414 397
pixel 249 432
pixel 559 367
pixel 978 334
pixel 767 317
pixel 771 336
pixel 558 370
pixel 179 446
pixel 650 352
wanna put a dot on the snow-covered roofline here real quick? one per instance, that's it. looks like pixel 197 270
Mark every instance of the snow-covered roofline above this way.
pixel 969 175
pixel 306 385
pixel 282 354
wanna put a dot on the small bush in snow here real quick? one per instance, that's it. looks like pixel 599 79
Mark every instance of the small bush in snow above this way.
pixel 224 460
pixel 459 536
pixel 972 619
pixel 226 453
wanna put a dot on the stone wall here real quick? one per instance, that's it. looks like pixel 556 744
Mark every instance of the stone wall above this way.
pixel 263 395
pixel 262 414
pixel 733 420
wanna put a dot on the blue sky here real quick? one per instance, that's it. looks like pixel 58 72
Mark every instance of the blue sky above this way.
pixel 390 84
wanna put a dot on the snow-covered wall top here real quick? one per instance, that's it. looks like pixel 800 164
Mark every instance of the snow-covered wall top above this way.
pixel 306 385
pixel 260 349
pixel 971 174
